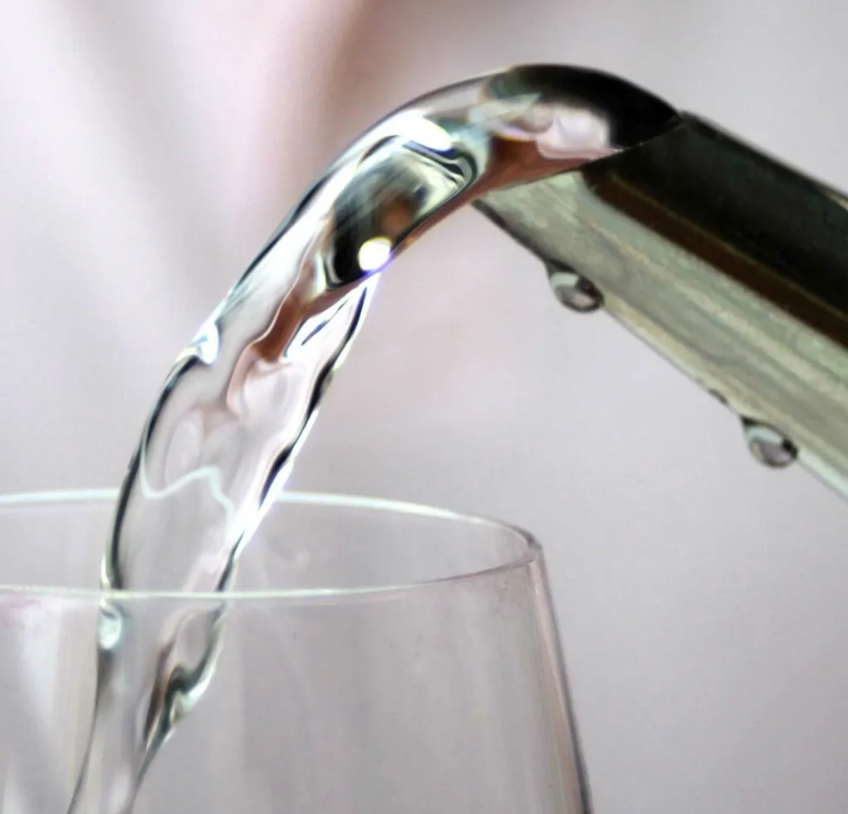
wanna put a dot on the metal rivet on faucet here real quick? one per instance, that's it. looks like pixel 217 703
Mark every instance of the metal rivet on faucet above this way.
pixel 573 290
pixel 769 446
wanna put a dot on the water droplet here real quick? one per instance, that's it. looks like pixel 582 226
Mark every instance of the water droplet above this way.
pixel 573 290
pixel 768 445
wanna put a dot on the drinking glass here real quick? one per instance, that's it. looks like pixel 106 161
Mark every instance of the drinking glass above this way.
pixel 376 657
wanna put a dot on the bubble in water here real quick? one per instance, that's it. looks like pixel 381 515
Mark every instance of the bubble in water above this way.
pixel 109 627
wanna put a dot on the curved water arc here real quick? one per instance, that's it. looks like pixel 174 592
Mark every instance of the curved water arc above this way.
pixel 237 406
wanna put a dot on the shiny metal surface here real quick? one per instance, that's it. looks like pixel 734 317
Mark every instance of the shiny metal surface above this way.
pixel 728 263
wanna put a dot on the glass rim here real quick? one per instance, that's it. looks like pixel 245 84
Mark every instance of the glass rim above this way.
pixel 532 551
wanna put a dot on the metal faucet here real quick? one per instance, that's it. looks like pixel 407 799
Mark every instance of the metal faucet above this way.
pixel 730 264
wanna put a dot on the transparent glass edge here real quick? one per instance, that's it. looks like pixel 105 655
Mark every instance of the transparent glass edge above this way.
pixel 20 500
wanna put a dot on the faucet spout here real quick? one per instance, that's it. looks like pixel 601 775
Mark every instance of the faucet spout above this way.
pixel 728 263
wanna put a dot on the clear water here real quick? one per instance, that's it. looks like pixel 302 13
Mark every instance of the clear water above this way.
pixel 240 399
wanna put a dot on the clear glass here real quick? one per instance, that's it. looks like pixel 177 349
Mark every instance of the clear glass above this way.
pixel 377 657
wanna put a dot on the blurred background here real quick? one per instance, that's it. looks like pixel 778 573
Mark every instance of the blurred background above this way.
pixel 147 150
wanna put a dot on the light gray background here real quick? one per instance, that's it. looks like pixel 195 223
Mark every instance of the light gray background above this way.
pixel 147 149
